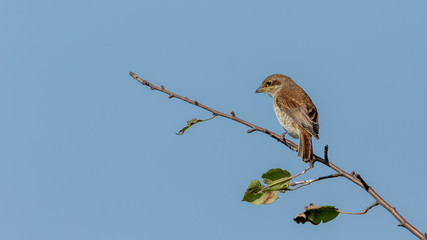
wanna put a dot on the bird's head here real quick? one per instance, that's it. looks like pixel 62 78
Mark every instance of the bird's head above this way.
pixel 272 84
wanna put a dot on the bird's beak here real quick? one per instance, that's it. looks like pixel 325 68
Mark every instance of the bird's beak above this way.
pixel 260 90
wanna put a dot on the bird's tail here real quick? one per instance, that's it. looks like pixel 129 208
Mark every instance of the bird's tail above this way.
pixel 305 148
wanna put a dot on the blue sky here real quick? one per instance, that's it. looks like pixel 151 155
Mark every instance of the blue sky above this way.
pixel 89 153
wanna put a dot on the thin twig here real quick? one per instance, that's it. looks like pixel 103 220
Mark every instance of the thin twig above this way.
pixel 293 147
pixel 289 178
pixel 307 182
pixel 363 212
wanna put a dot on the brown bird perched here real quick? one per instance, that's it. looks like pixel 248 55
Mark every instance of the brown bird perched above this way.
pixel 294 110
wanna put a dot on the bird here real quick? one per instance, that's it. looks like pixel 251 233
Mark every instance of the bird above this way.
pixel 295 112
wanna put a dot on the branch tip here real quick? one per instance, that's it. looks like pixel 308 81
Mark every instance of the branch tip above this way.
pixel 326 152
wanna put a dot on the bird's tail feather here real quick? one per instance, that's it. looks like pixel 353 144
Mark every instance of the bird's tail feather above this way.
pixel 305 148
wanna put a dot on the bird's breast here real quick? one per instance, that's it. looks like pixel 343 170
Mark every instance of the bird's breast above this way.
pixel 286 122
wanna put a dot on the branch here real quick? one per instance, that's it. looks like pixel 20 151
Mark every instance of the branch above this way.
pixel 357 180
pixel 232 115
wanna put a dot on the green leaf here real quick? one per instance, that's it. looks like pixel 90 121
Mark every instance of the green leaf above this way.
pixel 257 194
pixel 191 123
pixel 276 179
pixel 254 187
pixel 317 214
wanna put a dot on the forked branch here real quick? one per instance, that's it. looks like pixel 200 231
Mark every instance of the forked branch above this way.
pixel 355 178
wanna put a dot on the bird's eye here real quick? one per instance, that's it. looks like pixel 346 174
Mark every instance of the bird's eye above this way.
pixel 269 83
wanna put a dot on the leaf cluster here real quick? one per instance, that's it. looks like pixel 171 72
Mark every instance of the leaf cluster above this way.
pixel 278 181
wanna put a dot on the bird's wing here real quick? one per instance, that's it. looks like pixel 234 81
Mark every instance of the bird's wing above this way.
pixel 305 116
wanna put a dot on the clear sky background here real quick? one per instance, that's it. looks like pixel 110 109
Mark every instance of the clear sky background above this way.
pixel 89 153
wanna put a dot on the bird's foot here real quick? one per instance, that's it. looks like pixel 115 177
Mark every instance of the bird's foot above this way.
pixel 283 136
